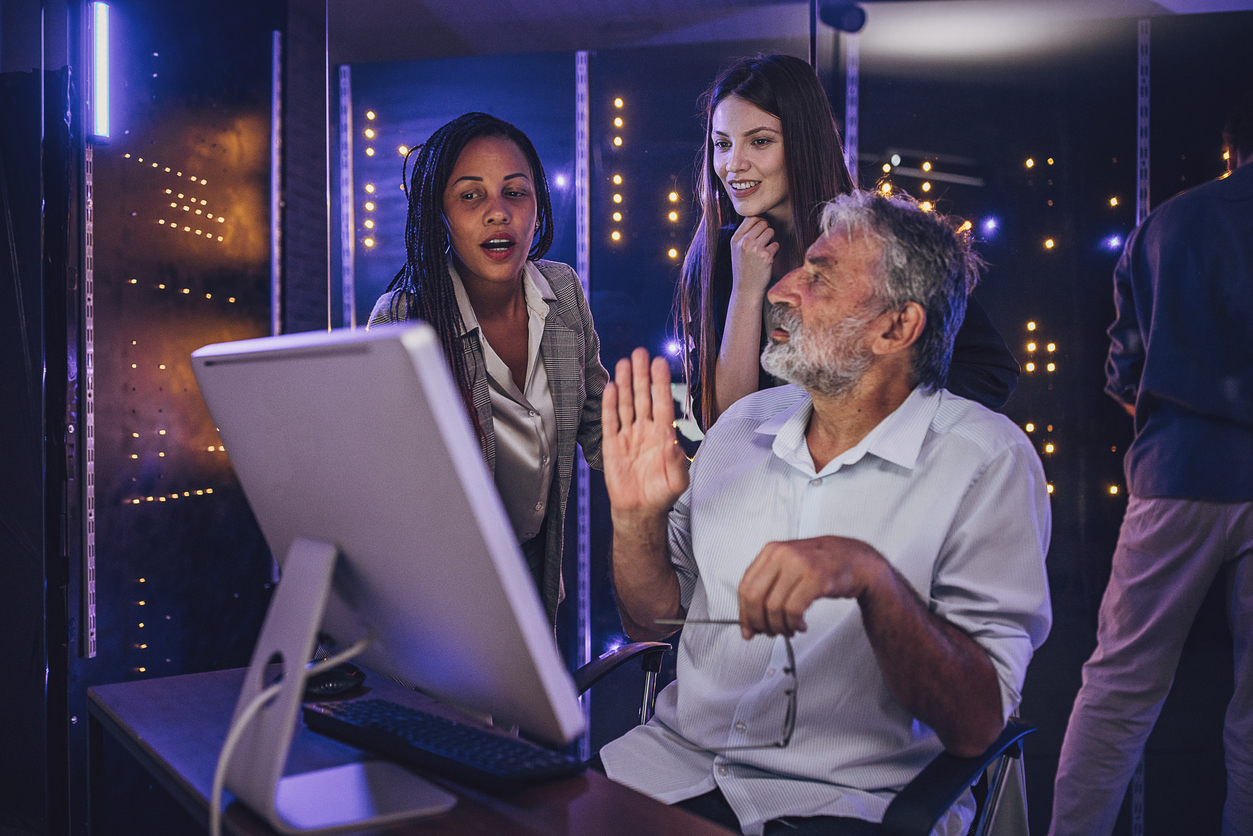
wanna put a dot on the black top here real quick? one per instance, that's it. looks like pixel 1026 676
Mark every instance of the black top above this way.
pixel 982 368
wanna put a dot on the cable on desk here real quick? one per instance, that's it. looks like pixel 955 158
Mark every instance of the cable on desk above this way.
pixel 245 718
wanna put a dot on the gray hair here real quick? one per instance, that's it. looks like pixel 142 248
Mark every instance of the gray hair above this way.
pixel 926 259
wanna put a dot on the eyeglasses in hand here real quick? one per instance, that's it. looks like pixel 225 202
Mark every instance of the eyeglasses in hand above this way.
pixel 789 719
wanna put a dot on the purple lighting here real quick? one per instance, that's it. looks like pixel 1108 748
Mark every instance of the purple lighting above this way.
pixel 100 70
pixel 990 225
pixel 1113 242
pixel 673 348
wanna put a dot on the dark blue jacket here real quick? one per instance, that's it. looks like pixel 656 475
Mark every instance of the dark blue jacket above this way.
pixel 1181 347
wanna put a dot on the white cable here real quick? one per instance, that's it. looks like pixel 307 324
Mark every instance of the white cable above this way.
pixel 232 739
pixel 241 724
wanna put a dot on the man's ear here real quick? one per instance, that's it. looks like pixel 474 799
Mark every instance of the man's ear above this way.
pixel 899 329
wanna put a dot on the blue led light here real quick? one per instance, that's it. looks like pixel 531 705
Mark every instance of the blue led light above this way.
pixel 990 225
pixel 100 70
pixel 1113 242
pixel 673 347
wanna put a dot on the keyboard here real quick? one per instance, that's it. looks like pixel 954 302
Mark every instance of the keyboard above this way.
pixel 467 754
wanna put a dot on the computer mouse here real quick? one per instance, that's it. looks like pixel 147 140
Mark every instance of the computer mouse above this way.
pixel 333 682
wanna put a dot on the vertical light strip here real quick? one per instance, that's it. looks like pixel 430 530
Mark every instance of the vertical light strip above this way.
pixel 1142 211
pixel 326 153
pixel 813 35
pixel 100 70
pixel 1142 127
pixel 276 183
pixel 583 266
pixel 89 405
pixel 582 175
pixel 347 202
pixel 852 93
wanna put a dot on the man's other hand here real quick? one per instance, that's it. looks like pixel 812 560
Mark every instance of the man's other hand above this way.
pixel 787 577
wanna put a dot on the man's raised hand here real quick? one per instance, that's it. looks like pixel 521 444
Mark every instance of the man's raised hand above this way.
pixel 645 470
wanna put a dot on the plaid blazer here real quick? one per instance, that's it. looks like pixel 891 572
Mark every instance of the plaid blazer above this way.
pixel 570 350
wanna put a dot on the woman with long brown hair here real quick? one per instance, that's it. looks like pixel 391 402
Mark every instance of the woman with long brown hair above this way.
pixel 772 158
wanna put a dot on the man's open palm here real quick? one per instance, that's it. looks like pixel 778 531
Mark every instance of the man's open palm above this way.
pixel 645 470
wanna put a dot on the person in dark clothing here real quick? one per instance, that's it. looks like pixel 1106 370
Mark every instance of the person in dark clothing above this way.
pixel 1180 360
pixel 771 159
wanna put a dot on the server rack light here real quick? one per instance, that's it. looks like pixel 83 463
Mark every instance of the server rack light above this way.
pixel 100 70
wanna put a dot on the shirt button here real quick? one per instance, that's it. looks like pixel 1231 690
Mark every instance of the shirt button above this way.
pixel 770 672
pixel 723 771
pixel 741 727
pixel 531 413
pixel 813 483
pixel 539 506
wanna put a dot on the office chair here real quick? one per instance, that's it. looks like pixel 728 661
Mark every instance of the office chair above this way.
pixel 651 652
pixel 917 808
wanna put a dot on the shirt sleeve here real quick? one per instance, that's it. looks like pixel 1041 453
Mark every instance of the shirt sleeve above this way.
pixel 594 379
pixel 679 536
pixel 1125 362
pixel 983 369
pixel 386 309
pixel 990 580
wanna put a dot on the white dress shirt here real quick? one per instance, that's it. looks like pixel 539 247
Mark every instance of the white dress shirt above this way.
pixel 523 419
pixel 952 495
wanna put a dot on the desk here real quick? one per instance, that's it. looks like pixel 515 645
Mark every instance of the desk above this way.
pixel 175 726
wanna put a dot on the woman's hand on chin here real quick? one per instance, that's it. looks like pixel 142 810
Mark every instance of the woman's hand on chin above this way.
pixel 753 249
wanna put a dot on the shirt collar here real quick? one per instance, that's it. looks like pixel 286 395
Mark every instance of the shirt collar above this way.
pixel 535 287
pixel 897 438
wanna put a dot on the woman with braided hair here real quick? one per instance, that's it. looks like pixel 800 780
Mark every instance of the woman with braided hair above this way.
pixel 516 330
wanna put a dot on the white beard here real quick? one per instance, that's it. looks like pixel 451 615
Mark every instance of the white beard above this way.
pixel 828 362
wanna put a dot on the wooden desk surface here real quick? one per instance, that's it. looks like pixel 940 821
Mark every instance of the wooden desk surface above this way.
pixel 175 728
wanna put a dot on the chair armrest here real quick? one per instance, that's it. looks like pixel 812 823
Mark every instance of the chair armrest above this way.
pixel 917 808
pixel 596 670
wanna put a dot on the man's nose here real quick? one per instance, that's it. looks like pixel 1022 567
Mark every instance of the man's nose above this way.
pixel 783 292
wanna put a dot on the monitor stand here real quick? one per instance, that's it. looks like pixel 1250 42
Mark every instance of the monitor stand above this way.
pixel 352 796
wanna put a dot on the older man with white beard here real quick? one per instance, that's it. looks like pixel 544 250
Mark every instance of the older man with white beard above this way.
pixel 876 544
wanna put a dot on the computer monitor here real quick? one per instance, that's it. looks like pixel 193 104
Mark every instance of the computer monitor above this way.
pixel 358 459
